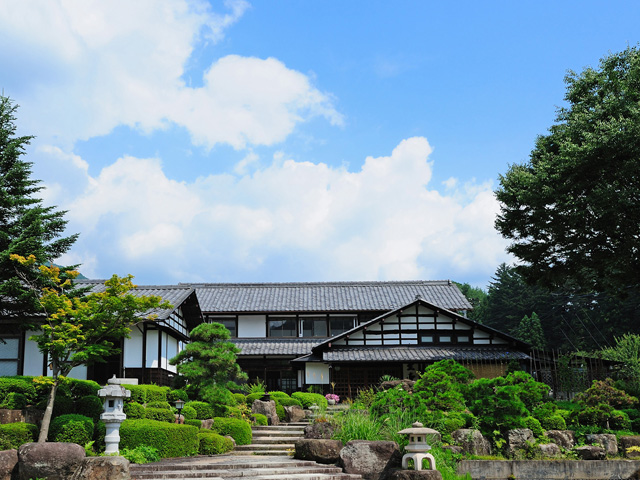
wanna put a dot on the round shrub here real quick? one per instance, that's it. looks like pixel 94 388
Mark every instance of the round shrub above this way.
pixel 280 411
pixel 160 414
pixel 177 394
pixel 218 410
pixel 12 435
pixel 533 424
pixel 212 443
pixel 240 398
pixel 72 428
pixel 90 406
pixel 203 409
pixel 278 394
pixel 82 388
pixel 288 401
pixel 159 404
pixel 252 397
pixel 259 419
pixel 138 394
pixel 554 422
pixel 453 421
pixel 23 385
pixel 308 399
pixel 14 401
pixel 236 428
pixel 133 410
pixel 171 439
pixel 193 421
pixel 619 420
pixel 188 412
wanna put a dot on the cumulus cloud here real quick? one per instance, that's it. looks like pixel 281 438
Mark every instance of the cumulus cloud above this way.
pixel 292 220
pixel 87 67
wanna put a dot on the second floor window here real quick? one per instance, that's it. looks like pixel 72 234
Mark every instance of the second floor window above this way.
pixel 282 327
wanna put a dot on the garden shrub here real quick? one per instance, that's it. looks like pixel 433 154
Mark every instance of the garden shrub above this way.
pixel 457 372
pixel 453 421
pixel 218 410
pixel 82 388
pixel 14 401
pixel 218 395
pixel 100 431
pixel 288 401
pixel 554 422
pixel 240 398
pixel 392 400
pixel 437 390
pixel 211 443
pixel 619 421
pixel 160 414
pixel 534 425
pixel 203 409
pixel 279 394
pixel 259 419
pixel 138 394
pixel 12 435
pixel 240 430
pixel 282 415
pixel 140 454
pixel 177 394
pixel 23 385
pixel 159 404
pixel 90 406
pixel 156 393
pixel 72 428
pixel 134 410
pixel 171 439
pixel 307 399
pixel 252 397
pixel 193 421
pixel 63 405
pixel 188 412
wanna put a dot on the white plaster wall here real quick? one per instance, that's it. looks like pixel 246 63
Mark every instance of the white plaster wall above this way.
pixel 171 349
pixel 152 349
pixel 317 374
pixel 132 349
pixel 252 326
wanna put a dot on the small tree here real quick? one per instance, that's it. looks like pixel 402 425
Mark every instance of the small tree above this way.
pixel 80 330
pixel 209 361
pixel 530 330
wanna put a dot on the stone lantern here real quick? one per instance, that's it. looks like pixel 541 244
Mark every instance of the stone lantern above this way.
pixel 113 414
pixel 417 448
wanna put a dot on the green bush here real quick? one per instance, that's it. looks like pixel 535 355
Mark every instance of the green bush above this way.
pixel 203 409
pixel 188 412
pixel 177 394
pixel 14 401
pixel 171 439
pixel 252 397
pixel 90 406
pixel 159 404
pixel 140 454
pixel 82 388
pixel 138 394
pixel 554 422
pixel 279 394
pixel 308 399
pixel 288 401
pixel 240 398
pixel 619 421
pixel 218 410
pixel 134 410
pixel 280 411
pixel 100 431
pixel 212 443
pixel 63 405
pixel 236 428
pixel 193 421
pixel 23 385
pixel 160 414
pixel 12 435
pixel 72 428
pixel 259 419
pixel 533 424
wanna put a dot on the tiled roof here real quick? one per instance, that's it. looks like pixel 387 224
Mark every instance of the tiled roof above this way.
pixel 420 354
pixel 326 297
pixel 174 294
pixel 256 346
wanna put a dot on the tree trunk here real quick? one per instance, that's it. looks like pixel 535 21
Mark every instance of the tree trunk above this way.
pixel 48 413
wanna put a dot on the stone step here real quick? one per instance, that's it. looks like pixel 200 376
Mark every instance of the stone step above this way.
pixel 268 440
pixel 282 427
pixel 278 433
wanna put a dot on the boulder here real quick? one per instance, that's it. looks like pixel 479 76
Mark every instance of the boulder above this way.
pixel 519 439
pixel 563 438
pixel 50 460
pixel 318 450
pixel 606 440
pixel 629 441
pixel 406 385
pixel 415 475
pixel 371 459
pixel 8 464
pixel 549 450
pixel 471 441
pixel 319 430
pixel 208 423
pixel 233 440
pixel 591 452
pixel 294 413
pixel 455 449
pixel 8 415
pixel 103 468
pixel 268 409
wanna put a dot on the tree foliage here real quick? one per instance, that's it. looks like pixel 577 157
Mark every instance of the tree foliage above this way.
pixel 530 330
pixel 573 210
pixel 26 226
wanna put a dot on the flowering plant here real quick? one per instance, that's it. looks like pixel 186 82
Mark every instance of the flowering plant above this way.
pixel 332 396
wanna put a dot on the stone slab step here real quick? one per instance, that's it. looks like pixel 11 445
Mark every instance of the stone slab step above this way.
pixel 270 453
pixel 269 440
pixel 234 473
pixel 267 446
pixel 278 433
pixel 286 426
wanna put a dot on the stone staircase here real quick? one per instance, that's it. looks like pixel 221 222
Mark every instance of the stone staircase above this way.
pixel 273 439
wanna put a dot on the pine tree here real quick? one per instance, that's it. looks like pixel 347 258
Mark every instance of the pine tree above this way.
pixel 27 227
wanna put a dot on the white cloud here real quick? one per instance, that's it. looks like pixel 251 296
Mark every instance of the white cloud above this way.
pixel 291 220
pixel 87 67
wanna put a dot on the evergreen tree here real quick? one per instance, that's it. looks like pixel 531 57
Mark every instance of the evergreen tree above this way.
pixel 530 330
pixel 27 227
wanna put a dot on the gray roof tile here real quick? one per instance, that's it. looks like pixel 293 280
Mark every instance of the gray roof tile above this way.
pixel 420 354
pixel 257 346
pixel 326 296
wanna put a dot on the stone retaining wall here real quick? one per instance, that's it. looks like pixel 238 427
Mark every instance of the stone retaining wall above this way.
pixel 550 470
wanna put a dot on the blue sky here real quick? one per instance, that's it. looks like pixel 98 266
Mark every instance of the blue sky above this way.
pixel 294 140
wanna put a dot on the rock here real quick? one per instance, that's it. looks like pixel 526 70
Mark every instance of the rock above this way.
pixel 563 438
pixel 319 430
pixel 371 459
pixel 406 385
pixel 268 409
pixel 415 475
pixel 605 440
pixel 455 449
pixel 103 468
pixel 233 440
pixel 8 415
pixel 8 464
pixel 318 450
pixel 294 413
pixel 308 413
pixel 471 441
pixel 549 450
pixel 627 443
pixel 208 423
pixel 591 452
pixel 51 460
pixel 519 439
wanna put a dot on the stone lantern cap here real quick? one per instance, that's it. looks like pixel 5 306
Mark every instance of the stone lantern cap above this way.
pixel 418 435
pixel 114 391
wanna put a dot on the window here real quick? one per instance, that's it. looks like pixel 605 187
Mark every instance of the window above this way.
pixel 314 326
pixel 426 339
pixel 282 327
pixel 9 356
pixel 229 322
pixel 340 325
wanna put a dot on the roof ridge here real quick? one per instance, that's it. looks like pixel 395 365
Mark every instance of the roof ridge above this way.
pixel 335 283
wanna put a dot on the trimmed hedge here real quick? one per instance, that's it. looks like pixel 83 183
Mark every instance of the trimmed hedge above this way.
pixel 193 421
pixel 159 404
pixel 160 414
pixel 236 428
pixel 252 397
pixel 14 401
pixel 71 428
pixel 82 388
pixel 12 435
pixel 90 406
pixel 147 393
pixel 23 385
pixel 259 419
pixel 63 405
pixel 278 394
pixel 288 401
pixel 133 410
pixel 189 413
pixel 240 398
pixel 308 399
pixel 177 394
pixel 203 409
pixel 171 439
pixel 211 443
